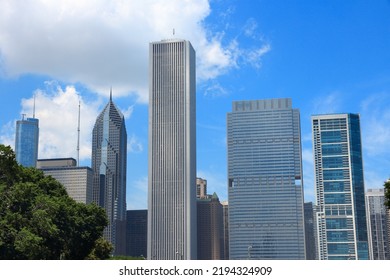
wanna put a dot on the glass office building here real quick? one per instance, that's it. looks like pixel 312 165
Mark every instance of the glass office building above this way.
pixel 341 217
pixel 26 141
pixel 109 159
pixel 265 181
pixel 172 151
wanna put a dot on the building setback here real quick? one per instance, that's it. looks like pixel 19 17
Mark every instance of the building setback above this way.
pixel 109 152
pixel 265 181
pixel 172 151
pixel 338 163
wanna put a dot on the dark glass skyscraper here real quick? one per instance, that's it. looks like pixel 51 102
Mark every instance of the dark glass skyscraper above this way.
pixel 265 181
pixel 341 216
pixel 26 141
pixel 172 151
pixel 137 232
pixel 109 152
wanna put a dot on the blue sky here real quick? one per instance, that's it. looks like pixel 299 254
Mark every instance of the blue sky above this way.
pixel 328 56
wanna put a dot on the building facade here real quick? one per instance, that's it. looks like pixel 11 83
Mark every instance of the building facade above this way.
pixel 377 220
pixel 172 151
pixel 109 156
pixel 310 236
pixel 76 180
pixel 201 188
pixel 210 228
pixel 265 181
pixel 137 232
pixel 225 209
pixel 338 163
pixel 26 141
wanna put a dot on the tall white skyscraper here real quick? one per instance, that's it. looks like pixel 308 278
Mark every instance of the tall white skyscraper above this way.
pixel 338 164
pixel 265 181
pixel 172 151
pixel 109 160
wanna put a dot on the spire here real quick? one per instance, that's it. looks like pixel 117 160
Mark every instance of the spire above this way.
pixel 78 137
pixel 34 107
pixel 111 94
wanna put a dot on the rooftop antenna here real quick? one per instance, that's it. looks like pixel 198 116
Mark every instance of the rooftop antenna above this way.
pixel 23 115
pixel 34 107
pixel 78 138
pixel 173 31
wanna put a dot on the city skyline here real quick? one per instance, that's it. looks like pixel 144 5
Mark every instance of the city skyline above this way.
pixel 330 57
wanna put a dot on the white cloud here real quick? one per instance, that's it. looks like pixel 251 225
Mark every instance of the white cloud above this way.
pixel 102 43
pixel 7 134
pixel 328 104
pixel 57 111
pixel 253 57
pixel 215 90
pixel 134 145
pixel 127 112
pixel 375 120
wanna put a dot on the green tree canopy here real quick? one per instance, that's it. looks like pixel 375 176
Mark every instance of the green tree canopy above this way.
pixel 387 193
pixel 38 220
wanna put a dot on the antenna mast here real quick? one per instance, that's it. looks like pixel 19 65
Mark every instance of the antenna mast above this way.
pixel 34 107
pixel 78 138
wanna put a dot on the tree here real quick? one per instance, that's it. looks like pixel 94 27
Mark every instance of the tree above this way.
pixel 38 220
pixel 387 193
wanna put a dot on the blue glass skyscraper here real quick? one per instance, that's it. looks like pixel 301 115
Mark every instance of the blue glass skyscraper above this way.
pixel 26 141
pixel 341 217
pixel 265 181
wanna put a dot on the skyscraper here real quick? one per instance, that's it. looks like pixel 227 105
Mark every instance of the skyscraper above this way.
pixel 26 141
pixel 109 152
pixel 265 181
pixel 210 228
pixel 377 224
pixel 172 151
pixel 225 211
pixel 137 229
pixel 310 235
pixel 201 187
pixel 338 163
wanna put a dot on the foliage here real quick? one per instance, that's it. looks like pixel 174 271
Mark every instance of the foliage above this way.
pixel 101 251
pixel 387 193
pixel 126 258
pixel 38 220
